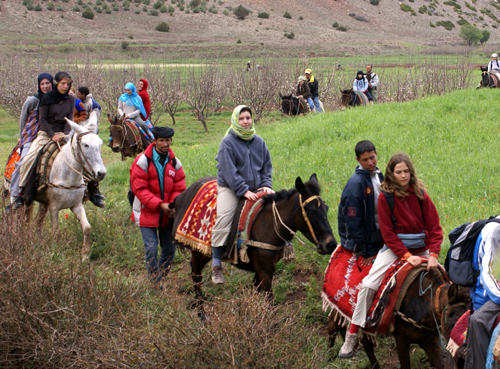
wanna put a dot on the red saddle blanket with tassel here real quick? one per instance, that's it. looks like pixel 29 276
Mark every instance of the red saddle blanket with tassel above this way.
pixel 342 282
pixel 195 228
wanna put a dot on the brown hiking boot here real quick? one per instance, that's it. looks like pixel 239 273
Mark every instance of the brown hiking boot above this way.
pixel 217 276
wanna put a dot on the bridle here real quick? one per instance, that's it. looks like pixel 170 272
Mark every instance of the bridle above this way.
pixel 304 214
pixel 88 173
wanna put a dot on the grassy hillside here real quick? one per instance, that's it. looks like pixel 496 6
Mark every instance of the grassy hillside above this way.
pixel 107 312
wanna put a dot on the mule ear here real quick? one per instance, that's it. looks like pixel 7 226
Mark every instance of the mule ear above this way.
pixel 75 127
pixel 281 96
pixel 299 185
pixel 341 91
pixel 313 178
pixel 452 293
pixel 110 118
pixel 92 122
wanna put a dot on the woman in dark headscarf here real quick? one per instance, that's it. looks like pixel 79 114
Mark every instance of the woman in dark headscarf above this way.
pixel 142 87
pixel 54 106
pixel 361 84
pixel 28 130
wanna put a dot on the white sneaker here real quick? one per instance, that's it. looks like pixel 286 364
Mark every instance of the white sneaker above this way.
pixel 217 276
pixel 347 350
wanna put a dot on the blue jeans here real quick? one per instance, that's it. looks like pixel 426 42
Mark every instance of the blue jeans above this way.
pixel 156 270
pixel 314 104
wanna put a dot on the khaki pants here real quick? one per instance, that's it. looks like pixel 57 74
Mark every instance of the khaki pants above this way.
pixel 41 139
pixel 371 283
pixel 227 202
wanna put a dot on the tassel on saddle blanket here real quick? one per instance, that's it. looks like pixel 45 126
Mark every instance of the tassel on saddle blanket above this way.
pixel 341 294
pixel 193 223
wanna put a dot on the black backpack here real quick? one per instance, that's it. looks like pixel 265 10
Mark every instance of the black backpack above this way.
pixel 459 262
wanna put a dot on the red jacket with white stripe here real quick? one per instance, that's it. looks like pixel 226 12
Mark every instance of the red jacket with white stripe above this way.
pixel 145 184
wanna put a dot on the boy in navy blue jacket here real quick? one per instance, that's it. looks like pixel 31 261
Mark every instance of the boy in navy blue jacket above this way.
pixel 357 217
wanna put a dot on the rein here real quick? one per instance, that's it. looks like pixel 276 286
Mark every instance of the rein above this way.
pixel 306 218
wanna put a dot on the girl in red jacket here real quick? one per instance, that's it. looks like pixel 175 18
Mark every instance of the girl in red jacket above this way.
pixel 413 233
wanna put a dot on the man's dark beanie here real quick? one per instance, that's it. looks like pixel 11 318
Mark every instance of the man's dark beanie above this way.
pixel 163 132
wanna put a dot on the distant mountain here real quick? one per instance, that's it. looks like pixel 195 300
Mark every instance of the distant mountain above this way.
pixel 194 24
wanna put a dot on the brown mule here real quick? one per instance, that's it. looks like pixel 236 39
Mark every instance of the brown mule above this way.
pixel 126 138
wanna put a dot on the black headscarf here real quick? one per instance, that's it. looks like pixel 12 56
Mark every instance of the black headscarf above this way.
pixel 362 75
pixel 54 96
pixel 44 75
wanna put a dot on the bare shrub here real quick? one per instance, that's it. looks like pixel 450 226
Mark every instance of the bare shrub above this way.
pixel 57 313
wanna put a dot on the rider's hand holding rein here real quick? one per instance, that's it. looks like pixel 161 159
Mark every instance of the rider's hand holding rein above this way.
pixel 432 263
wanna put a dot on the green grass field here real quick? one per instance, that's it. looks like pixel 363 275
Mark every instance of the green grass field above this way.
pixel 453 140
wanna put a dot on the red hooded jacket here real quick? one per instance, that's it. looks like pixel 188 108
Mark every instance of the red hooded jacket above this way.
pixel 146 211
pixel 145 99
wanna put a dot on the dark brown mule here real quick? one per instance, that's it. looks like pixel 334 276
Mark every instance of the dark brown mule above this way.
pixel 123 138
pixel 290 205
pixel 422 310
pixel 350 98
pixel 487 79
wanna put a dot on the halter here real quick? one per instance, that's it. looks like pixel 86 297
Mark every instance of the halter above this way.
pixel 306 218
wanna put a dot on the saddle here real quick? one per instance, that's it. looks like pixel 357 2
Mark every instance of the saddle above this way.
pixel 193 226
pixel 38 177
pixel 340 294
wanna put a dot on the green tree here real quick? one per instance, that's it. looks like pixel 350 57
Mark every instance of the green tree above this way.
pixel 486 36
pixel 241 12
pixel 88 14
pixel 163 27
pixel 470 34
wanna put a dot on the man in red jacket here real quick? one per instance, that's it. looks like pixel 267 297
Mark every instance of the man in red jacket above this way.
pixel 156 179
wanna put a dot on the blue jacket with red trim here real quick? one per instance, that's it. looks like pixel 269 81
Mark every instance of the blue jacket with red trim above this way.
pixel 356 216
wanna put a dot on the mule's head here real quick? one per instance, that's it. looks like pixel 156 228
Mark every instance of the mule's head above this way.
pixel 116 131
pixel 86 147
pixel 317 212
pixel 286 104
pixel 455 302
pixel 345 98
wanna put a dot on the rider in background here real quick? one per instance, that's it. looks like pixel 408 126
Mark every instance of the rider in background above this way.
pixel 54 107
pixel 243 167
pixel 142 87
pixel 313 87
pixel 372 79
pixel 410 232
pixel 361 84
pixel 83 93
pixel 303 91
pixel 494 67
pixel 79 115
pixel 130 104
pixel 28 130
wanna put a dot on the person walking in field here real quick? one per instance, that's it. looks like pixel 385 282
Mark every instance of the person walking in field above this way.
pixel 357 216
pixel 313 101
pixel 361 84
pixel 156 179
pixel 243 167
pixel 410 230
pixel 494 67
pixel 28 131
pixel 372 79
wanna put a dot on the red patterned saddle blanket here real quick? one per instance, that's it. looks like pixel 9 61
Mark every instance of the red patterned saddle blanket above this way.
pixel 195 229
pixel 340 294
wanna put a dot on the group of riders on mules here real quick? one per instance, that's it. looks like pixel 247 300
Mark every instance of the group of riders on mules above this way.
pixel 244 167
